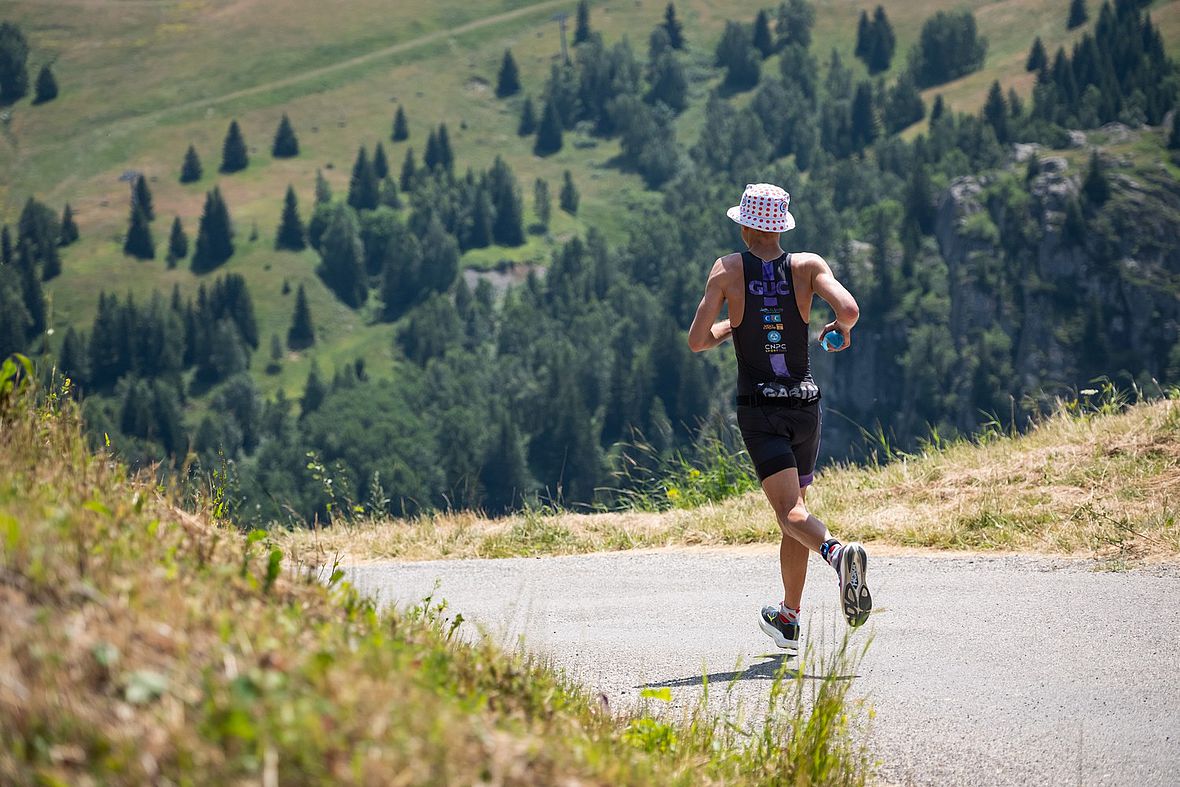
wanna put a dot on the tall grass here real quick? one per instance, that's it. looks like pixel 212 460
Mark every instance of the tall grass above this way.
pixel 142 643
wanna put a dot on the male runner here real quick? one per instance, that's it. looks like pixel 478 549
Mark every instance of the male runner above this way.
pixel 769 296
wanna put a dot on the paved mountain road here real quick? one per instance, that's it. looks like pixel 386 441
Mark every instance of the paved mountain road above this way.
pixel 982 670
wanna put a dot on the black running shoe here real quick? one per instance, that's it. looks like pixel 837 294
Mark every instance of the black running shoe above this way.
pixel 854 588
pixel 785 635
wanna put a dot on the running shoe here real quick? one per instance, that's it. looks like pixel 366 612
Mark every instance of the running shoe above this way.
pixel 784 634
pixel 854 588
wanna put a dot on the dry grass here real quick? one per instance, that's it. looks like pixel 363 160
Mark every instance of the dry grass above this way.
pixel 1098 485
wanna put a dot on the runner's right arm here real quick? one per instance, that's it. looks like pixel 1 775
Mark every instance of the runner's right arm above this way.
pixel 825 285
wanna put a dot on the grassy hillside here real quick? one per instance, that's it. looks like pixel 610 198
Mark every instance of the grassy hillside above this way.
pixel 1092 480
pixel 141 643
pixel 140 83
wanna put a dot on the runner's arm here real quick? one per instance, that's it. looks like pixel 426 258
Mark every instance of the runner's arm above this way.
pixel 706 332
pixel 825 285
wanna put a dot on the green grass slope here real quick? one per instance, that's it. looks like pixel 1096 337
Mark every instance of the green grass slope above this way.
pixel 140 81
pixel 143 643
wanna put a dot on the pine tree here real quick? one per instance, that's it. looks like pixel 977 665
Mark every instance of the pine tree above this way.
pixel 569 197
pixel 69 229
pixel 1077 14
pixel 389 194
pixel 431 157
pixel 673 27
pixel 508 81
pixel 582 23
pixel 480 234
pixel 528 118
pixel 323 191
pixel 364 190
pixel 507 227
pixel 6 256
pixel 862 117
pixel 504 475
pixel 542 204
pixel 1037 59
pixel 301 333
pixel 937 110
pixel 1096 186
pixel 314 391
pixel 214 234
pixel 549 132
pixel 342 257
pixel 446 156
pixel 14 55
pixel 286 144
pixel 763 41
pixel 1173 138
pixel 177 243
pixel 139 236
pixel 31 292
pixel 401 130
pixel 141 197
pixel 904 105
pixel 190 170
pixel 50 261
pixel 234 157
pixel 796 18
pixel 864 35
pixel 409 172
pixel 380 162
pixel 995 112
pixel 290 235
pixel 882 43
pixel 735 53
pixel 46 85
pixel 669 83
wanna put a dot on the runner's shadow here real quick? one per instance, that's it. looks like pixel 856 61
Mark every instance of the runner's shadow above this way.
pixel 766 670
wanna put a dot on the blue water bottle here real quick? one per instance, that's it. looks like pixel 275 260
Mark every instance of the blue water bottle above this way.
pixel 833 340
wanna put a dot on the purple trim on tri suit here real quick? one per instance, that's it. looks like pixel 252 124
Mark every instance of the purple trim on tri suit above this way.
pixel 770 301
pixel 778 362
pixel 805 480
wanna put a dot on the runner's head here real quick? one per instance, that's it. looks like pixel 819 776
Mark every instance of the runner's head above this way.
pixel 763 213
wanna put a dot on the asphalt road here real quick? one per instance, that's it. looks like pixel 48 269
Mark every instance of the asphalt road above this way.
pixel 981 670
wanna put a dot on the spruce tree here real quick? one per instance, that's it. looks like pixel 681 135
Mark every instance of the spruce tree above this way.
pixel 401 129
pixel 763 41
pixel 735 53
pixel 69 229
pixel 582 23
pixel 50 261
pixel 882 43
pixel 1096 186
pixel 31 292
pixel 286 144
pixel 446 156
pixel 389 194
pixel 569 197
pixel 431 157
pixel 864 35
pixel 380 162
pixel 190 170
pixel 290 235
pixel 542 204
pixel 14 55
pixel 673 27
pixel 796 18
pixel 46 86
pixel 6 256
pixel 301 334
pixel 342 257
pixel 177 243
pixel 314 391
pixel 507 227
pixel 1173 138
pixel 1077 14
pixel 214 235
pixel 938 108
pixel 234 157
pixel 364 190
pixel 669 83
pixel 480 234
pixel 903 105
pixel 141 197
pixel 995 112
pixel 1037 59
pixel 504 475
pixel 138 242
pixel 508 81
pixel 528 118
pixel 323 191
pixel 862 118
pixel 549 132
pixel 409 172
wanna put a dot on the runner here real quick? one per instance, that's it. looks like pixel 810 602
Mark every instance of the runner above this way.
pixel 769 296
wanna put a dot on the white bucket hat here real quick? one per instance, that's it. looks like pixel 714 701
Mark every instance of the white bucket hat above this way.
pixel 764 207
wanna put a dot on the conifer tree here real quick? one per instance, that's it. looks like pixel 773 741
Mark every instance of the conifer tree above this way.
pixel 528 118
pixel 1037 59
pixel 290 235
pixel 507 227
pixel 234 157
pixel 762 39
pixel 72 358
pixel 389 194
pixel 882 43
pixel 549 132
pixel 276 355
pixel 446 156
pixel 508 80
pixel 14 55
pixel 380 162
pixel 542 204
pixel 1096 186
pixel 214 234
pixel 177 243
pixel 995 112
pixel 431 157
pixel 441 267
pixel 364 190
pixel 938 108
pixel 314 391
pixel 323 191
pixel 480 234
pixel 138 242
pixel 673 27
pixel 582 23
pixel 50 261
pixel 1173 138
pixel 504 475
pixel 409 172
pixel 1077 14
pixel 569 194
pixel 141 197
pixel 401 129
pixel 69 229
pixel 46 85
pixel 286 144
pixel 669 83
pixel 6 257
pixel 190 170
pixel 31 292
pixel 796 18
pixel 903 105
pixel 862 117
pixel 735 53
pixel 864 34
pixel 342 257
pixel 301 334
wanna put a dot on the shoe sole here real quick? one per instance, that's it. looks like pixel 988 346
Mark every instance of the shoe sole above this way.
pixel 777 636
pixel 854 588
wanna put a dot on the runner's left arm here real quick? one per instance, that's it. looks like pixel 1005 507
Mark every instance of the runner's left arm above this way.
pixel 706 332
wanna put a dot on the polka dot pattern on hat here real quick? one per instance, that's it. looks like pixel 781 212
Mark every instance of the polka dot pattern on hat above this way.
pixel 765 207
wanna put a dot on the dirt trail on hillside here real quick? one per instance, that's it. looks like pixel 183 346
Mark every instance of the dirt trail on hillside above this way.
pixel 982 669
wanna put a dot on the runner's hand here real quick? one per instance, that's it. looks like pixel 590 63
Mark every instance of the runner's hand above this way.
pixel 840 329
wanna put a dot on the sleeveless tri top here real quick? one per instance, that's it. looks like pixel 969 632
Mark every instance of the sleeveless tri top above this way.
pixel 771 343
